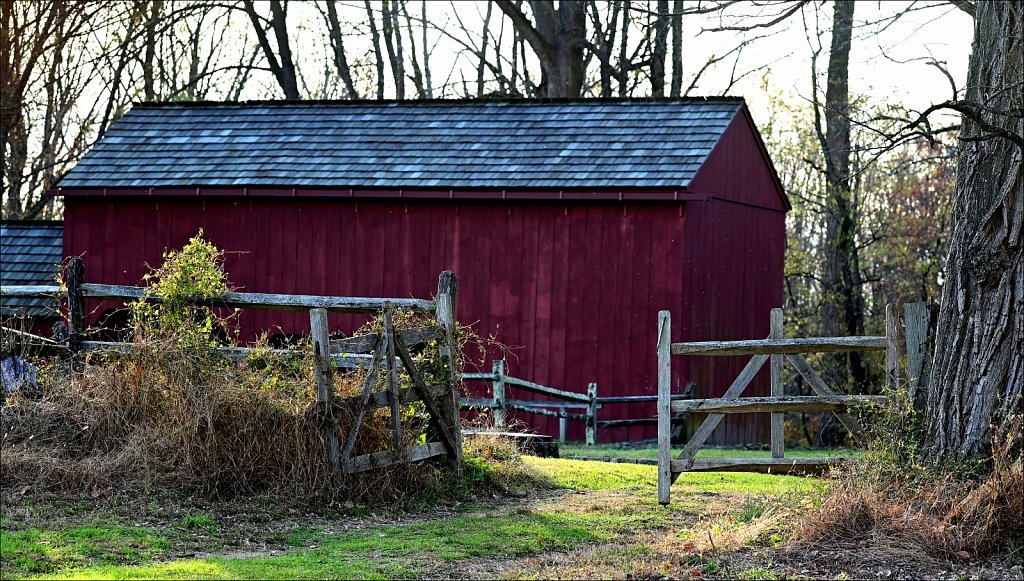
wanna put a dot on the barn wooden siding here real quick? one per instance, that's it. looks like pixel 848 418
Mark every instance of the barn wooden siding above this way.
pixel 577 286
pixel 569 224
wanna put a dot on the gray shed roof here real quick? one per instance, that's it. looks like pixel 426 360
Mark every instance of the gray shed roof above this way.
pixel 409 144
pixel 30 253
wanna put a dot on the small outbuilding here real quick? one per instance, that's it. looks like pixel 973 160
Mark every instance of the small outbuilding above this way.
pixel 30 254
pixel 570 224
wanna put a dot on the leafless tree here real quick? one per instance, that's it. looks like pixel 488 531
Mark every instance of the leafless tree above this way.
pixel 280 60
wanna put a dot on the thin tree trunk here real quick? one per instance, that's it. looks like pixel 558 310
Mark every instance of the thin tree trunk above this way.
pixel 844 302
pixel 417 74
pixel 340 58
pixel 283 68
pixel 378 60
pixel 428 83
pixel 677 48
pixel 623 51
pixel 482 64
pixel 148 84
pixel 979 351
pixel 660 50
pixel 392 43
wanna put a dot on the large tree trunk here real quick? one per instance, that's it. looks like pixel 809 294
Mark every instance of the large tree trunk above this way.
pixel 557 37
pixel 979 351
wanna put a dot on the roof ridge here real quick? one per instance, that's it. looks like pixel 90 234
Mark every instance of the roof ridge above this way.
pixel 428 102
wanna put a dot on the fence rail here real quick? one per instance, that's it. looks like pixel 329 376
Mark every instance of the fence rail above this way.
pixel 383 353
pixel 776 350
pixel 590 403
pixel 260 301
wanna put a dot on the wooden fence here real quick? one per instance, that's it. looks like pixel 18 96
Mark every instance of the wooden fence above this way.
pixel 777 349
pixel 382 353
pixel 588 404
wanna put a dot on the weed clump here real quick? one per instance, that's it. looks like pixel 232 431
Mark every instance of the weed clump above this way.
pixel 173 414
pixel 905 508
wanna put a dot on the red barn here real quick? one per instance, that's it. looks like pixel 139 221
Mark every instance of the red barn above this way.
pixel 569 223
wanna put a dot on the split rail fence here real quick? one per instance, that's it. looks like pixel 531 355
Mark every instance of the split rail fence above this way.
pixel 382 353
pixel 776 350
pixel 572 405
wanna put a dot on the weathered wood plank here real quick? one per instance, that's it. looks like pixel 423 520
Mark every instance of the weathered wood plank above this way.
pixel 429 397
pixel 44 291
pixel 773 465
pixel 639 398
pixel 562 405
pixel 777 404
pixel 543 412
pixel 360 412
pixel 819 386
pixel 545 390
pixel 778 421
pixel 591 430
pixel 389 457
pixel 477 402
pixel 780 346
pixel 75 280
pixel 391 375
pixel 917 322
pixel 444 315
pixel 381 399
pixel 711 422
pixel 324 373
pixel 498 391
pixel 280 302
pixel 892 348
pixel 367 343
pixel 664 347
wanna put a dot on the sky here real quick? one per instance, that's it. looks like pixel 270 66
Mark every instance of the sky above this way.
pixel 888 59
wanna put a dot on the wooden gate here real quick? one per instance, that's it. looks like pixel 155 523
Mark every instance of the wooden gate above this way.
pixel 383 353
pixel 775 350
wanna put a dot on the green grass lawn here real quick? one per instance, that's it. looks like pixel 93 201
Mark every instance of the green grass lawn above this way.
pixel 570 449
pixel 588 505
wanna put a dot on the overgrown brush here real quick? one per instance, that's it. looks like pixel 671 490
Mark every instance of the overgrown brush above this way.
pixel 174 414
pixel 905 508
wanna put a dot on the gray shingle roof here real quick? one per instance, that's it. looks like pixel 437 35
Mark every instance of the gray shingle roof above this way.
pixel 409 144
pixel 30 253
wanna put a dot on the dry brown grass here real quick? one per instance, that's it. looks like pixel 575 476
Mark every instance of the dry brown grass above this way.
pixel 929 514
pixel 185 419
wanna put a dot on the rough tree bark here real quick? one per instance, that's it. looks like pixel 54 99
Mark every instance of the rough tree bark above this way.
pixel 557 37
pixel 979 351
pixel 660 49
pixel 677 48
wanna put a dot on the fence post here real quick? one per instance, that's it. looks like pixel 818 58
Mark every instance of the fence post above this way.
pixel 916 320
pixel 325 389
pixel 445 301
pixel 563 428
pixel 498 391
pixel 892 346
pixel 778 388
pixel 74 277
pixel 664 406
pixel 592 414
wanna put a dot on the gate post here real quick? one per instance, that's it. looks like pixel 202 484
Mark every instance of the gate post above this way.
pixel 444 302
pixel 664 406
pixel 325 390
